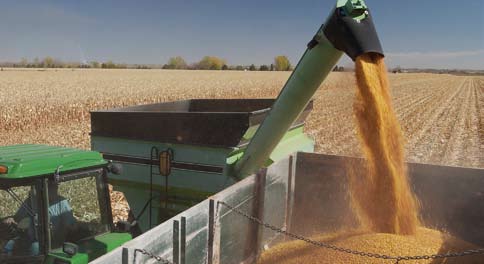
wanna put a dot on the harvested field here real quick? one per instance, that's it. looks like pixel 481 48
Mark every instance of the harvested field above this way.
pixel 442 116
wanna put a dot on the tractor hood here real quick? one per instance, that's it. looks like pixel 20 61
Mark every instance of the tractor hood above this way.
pixel 24 161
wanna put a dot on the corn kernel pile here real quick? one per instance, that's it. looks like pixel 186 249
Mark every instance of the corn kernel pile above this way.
pixel 424 242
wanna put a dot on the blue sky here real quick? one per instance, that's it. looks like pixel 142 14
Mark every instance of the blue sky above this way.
pixel 414 33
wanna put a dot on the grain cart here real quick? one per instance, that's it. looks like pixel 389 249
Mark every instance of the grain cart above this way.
pixel 178 153
pixel 55 205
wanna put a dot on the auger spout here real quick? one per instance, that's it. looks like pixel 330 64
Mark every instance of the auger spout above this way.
pixel 349 29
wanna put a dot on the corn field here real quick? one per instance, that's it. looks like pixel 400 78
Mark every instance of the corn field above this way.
pixel 442 116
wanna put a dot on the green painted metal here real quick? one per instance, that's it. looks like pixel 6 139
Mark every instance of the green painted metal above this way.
pixel 25 161
pixel 137 195
pixel 355 8
pixel 185 193
pixel 139 148
pixel 91 249
pixel 140 174
pixel 293 140
pixel 313 68
pixel 250 132
pixel 316 63
pixel 32 161
pixel 185 188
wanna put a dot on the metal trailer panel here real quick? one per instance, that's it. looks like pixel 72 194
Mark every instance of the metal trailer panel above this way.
pixel 320 187
pixel 276 201
pixel 218 236
pixel 307 194
pixel 229 225
pixel 451 198
pixel 161 240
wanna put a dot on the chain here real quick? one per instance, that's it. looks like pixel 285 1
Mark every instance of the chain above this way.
pixel 151 256
pixel 397 259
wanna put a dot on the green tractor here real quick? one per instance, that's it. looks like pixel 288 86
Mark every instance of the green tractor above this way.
pixel 55 205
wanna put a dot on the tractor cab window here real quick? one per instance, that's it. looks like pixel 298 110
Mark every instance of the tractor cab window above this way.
pixel 19 221
pixel 75 211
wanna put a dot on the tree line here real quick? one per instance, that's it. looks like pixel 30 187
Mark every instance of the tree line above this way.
pixel 280 63
pixel 49 62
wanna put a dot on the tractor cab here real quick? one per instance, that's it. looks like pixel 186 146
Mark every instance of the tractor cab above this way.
pixel 55 205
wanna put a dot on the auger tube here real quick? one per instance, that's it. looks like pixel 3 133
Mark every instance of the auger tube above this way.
pixel 349 21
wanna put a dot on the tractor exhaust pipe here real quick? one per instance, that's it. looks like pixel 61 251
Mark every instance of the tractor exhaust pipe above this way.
pixel 348 29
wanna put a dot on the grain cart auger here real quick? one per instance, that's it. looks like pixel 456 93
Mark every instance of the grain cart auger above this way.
pixel 176 154
pixel 55 205
pixel 348 29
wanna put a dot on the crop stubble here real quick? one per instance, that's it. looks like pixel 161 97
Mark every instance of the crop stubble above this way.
pixel 442 116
